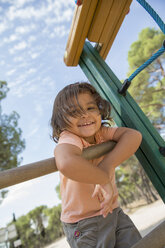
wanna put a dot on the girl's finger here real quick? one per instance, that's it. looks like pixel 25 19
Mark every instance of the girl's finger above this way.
pixel 95 193
pixel 101 197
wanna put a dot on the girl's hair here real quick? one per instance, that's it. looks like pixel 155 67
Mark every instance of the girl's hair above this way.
pixel 67 99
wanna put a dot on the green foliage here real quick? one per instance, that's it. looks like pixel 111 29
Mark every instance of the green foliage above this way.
pixel 54 229
pixel 3 89
pixel 133 183
pixel 11 142
pixel 148 86
pixel 150 40
pixel 32 230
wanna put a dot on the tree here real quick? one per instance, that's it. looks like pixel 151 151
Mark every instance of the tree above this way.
pixel 54 229
pixel 11 142
pixel 148 87
pixel 133 183
pixel 32 230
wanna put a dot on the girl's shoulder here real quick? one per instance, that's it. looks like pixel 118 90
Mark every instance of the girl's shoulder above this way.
pixel 70 138
pixel 106 132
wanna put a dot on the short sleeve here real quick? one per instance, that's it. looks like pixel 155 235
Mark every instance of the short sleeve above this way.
pixel 70 138
pixel 108 133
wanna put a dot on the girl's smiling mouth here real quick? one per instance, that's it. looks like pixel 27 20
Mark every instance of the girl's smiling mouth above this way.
pixel 86 124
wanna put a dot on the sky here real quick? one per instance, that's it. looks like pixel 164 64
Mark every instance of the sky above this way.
pixel 33 37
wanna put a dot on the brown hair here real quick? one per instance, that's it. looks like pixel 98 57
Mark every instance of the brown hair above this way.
pixel 65 101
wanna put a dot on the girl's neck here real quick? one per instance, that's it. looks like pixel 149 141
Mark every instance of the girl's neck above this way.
pixel 90 140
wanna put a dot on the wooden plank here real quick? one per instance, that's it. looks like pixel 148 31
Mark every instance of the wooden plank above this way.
pixel 113 18
pixel 30 171
pixel 99 19
pixel 80 25
pixel 114 26
pixel 154 239
pixel 149 157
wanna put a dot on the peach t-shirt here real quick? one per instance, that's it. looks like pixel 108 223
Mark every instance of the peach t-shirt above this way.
pixel 77 201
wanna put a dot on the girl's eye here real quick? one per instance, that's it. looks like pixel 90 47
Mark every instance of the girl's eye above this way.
pixel 91 108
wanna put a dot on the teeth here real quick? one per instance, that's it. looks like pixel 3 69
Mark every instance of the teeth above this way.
pixel 85 124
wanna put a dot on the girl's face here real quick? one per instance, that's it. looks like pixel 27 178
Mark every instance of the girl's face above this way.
pixel 89 122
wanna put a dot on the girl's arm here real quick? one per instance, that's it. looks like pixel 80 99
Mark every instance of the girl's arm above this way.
pixel 72 165
pixel 128 141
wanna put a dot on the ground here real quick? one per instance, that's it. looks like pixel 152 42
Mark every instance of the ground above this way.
pixel 146 218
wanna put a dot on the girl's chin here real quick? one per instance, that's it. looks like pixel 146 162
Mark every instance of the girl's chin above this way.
pixel 88 138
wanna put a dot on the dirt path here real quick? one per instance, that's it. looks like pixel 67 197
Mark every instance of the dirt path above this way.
pixel 145 218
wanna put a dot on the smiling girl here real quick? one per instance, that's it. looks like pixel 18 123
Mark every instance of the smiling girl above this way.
pixel 91 215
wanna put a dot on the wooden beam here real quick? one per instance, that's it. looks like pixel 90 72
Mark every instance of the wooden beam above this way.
pixel 155 239
pixel 80 25
pixel 116 17
pixel 37 169
pixel 99 20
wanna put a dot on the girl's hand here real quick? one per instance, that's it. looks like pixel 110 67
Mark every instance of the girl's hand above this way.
pixel 98 192
pixel 106 204
pixel 105 195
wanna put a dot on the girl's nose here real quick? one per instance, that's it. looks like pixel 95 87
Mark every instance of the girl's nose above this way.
pixel 85 114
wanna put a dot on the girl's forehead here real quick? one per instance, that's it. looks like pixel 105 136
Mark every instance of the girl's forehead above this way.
pixel 85 98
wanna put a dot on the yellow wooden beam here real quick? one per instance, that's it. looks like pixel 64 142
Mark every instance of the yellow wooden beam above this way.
pixel 97 20
pixel 116 17
pixel 80 25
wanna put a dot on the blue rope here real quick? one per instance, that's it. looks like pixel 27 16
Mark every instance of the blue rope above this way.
pixel 153 14
pixel 148 62
pixel 161 24
pixel 127 82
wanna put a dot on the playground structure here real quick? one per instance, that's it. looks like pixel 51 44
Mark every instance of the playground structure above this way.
pixel 99 21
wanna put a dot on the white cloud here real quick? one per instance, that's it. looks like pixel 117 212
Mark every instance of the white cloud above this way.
pixel 21 3
pixel 25 29
pixel 60 16
pixel 31 70
pixel 16 85
pixel 20 46
pixel 26 13
pixel 18 59
pixel 59 31
pixel 3 27
pixel 11 38
pixel 31 38
pixel 61 11
pixel 9 73
pixel 34 55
